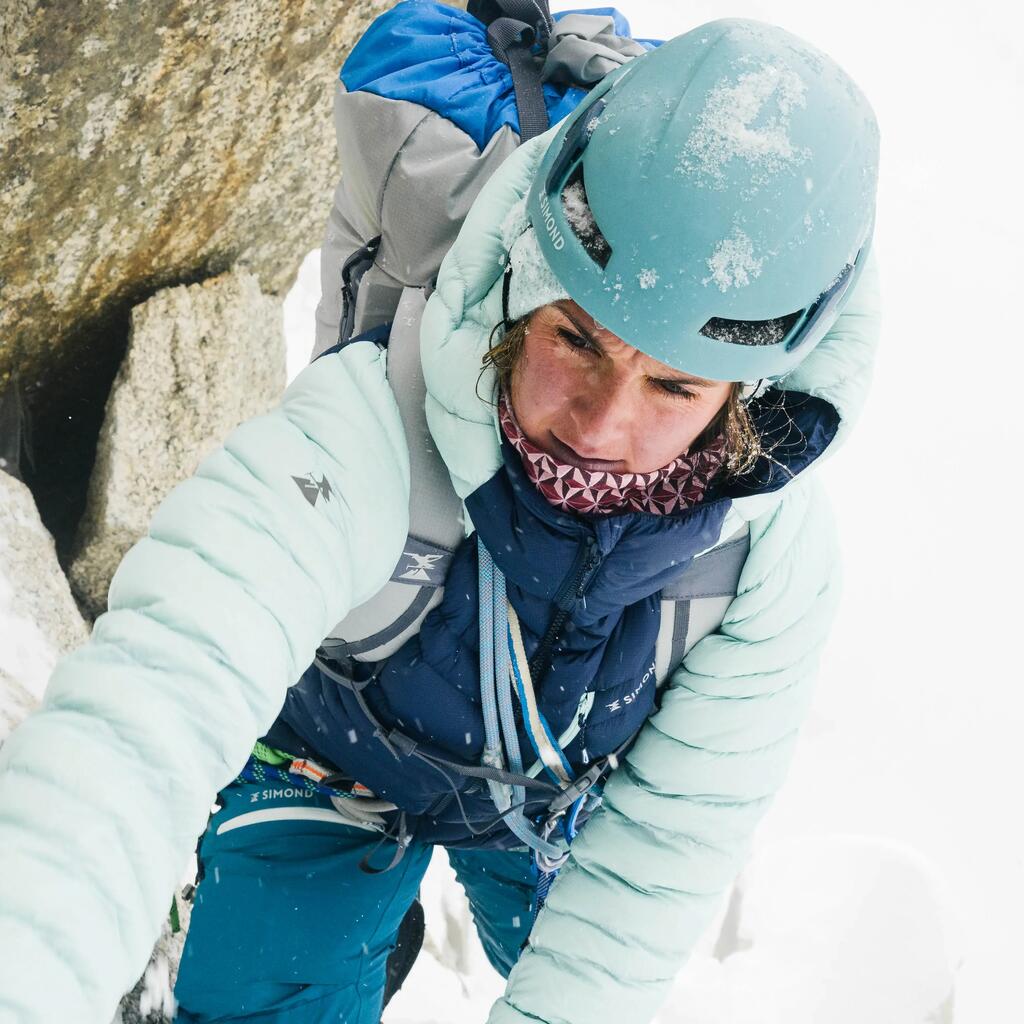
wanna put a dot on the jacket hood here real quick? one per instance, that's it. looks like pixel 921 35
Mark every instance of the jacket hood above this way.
pixel 466 305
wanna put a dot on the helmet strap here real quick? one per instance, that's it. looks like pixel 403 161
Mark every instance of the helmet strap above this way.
pixel 506 285
pixel 753 389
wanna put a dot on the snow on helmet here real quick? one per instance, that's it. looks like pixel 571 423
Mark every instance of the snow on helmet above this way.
pixel 713 201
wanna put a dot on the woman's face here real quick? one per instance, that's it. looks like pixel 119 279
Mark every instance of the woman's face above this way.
pixel 584 396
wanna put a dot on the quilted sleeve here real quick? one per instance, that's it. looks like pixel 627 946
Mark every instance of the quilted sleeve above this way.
pixel 247 565
pixel 647 874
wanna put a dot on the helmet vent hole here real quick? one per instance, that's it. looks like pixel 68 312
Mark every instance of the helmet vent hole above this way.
pixel 750 332
pixel 580 218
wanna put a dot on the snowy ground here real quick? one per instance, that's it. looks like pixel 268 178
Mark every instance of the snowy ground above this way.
pixel 897 846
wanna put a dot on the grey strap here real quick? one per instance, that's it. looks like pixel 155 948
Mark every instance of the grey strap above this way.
pixel 435 511
pixel 716 573
pixel 512 43
pixel 535 13
pixel 352 272
pixel 680 629
pixel 383 637
pixel 579 49
pixel 694 605
pixel 514 27
pixel 376 629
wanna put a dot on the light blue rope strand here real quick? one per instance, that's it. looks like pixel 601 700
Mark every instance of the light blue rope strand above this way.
pixel 488 700
pixel 503 681
pixel 496 689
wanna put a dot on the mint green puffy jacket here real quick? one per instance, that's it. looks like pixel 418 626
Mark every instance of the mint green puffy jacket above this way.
pixel 222 605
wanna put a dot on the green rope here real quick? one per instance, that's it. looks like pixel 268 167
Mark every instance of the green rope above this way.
pixel 269 755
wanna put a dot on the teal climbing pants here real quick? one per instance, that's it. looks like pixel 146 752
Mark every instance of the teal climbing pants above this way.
pixel 287 928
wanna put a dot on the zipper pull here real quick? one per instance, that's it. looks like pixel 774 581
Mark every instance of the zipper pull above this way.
pixel 593 560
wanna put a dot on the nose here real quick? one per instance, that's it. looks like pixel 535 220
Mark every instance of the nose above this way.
pixel 601 415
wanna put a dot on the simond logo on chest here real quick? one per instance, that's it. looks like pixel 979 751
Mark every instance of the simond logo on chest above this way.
pixel 618 705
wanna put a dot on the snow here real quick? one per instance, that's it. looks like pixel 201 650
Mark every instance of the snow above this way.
pixel 733 263
pixel 577 211
pixel 300 315
pixel 157 993
pixel 726 128
pixel 843 929
pixel 27 658
pixel 840 929
pixel 452 980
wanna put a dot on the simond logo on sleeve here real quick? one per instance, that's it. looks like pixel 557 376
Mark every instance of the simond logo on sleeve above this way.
pixel 312 488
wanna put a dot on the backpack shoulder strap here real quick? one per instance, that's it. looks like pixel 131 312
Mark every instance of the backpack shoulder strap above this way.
pixel 694 604
pixel 377 628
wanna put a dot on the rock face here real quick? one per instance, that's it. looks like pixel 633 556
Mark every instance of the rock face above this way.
pixel 39 621
pixel 200 360
pixel 144 145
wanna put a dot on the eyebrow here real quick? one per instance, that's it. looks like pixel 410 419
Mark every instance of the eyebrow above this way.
pixel 697 382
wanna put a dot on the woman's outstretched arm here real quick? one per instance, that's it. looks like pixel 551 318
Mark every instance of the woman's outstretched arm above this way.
pixel 298 517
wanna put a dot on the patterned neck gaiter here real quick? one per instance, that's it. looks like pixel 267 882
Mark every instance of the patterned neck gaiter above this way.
pixel 677 486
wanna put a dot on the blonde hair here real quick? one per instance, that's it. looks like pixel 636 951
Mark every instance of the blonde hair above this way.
pixel 742 442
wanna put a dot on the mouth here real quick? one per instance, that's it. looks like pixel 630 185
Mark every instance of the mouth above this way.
pixel 566 453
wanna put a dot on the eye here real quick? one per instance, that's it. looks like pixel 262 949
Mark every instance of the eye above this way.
pixel 675 388
pixel 574 340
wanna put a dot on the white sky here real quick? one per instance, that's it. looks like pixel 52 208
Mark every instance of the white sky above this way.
pixel 916 732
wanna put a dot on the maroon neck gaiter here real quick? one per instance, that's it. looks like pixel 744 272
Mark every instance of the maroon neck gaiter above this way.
pixel 677 486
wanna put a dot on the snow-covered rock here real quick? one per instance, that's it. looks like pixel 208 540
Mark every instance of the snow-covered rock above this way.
pixel 39 620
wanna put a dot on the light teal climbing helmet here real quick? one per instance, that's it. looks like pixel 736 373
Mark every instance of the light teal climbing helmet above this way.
pixel 712 202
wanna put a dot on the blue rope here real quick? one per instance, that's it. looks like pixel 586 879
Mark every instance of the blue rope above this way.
pixel 496 699
pixel 500 793
pixel 570 823
pixel 262 773
pixel 545 879
pixel 520 686
pixel 506 710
